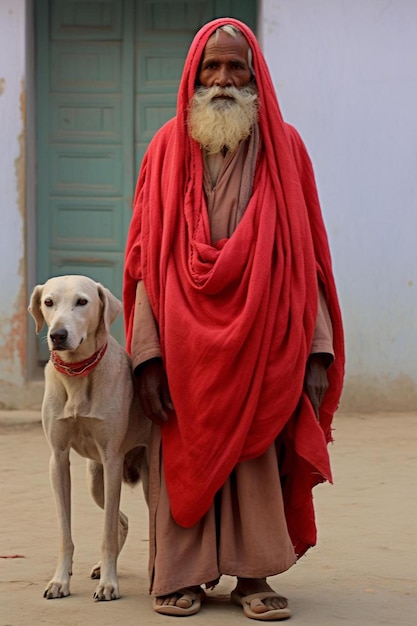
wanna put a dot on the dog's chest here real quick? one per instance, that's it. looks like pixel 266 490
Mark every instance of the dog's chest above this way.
pixel 85 437
pixel 75 398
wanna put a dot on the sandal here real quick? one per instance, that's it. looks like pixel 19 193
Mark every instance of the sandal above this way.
pixel 193 597
pixel 270 615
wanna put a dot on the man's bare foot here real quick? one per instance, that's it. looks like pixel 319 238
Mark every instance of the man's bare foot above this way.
pixel 253 595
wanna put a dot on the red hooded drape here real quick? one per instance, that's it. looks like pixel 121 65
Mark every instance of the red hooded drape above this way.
pixel 236 320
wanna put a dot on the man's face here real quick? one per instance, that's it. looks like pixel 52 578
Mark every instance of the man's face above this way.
pixel 225 62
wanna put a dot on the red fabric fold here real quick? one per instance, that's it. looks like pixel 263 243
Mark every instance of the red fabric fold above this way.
pixel 236 320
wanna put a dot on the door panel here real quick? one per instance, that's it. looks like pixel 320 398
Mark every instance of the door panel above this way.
pixel 87 226
pixel 90 19
pixel 105 266
pixel 85 190
pixel 86 67
pixel 76 118
pixel 107 75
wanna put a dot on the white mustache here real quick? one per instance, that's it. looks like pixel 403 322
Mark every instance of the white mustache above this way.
pixel 205 95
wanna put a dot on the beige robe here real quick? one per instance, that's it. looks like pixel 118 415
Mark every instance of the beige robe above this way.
pixel 245 532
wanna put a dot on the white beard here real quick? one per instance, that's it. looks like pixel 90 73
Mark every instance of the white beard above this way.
pixel 223 122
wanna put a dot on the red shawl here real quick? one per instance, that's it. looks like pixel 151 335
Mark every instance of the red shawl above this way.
pixel 236 320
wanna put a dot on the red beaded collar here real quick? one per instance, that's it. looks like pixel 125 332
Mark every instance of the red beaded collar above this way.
pixel 83 368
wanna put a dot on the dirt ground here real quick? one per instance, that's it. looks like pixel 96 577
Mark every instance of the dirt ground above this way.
pixel 363 571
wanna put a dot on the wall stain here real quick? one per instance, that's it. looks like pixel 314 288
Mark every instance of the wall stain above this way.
pixel 2 86
pixel 13 335
pixel 20 168
pixel 15 342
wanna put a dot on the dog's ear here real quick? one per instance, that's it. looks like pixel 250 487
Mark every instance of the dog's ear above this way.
pixel 34 307
pixel 112 306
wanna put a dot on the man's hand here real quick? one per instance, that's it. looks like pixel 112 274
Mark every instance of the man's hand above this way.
pixel 152 390
pixel 315 381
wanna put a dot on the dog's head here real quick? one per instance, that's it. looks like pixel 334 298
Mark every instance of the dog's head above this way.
pixel 75 309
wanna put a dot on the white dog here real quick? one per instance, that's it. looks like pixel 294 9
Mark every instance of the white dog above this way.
pixel 89 405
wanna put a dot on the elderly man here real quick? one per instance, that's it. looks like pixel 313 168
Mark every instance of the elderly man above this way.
pixel 233 323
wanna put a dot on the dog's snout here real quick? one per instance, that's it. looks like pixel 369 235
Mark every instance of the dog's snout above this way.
pixel 59 337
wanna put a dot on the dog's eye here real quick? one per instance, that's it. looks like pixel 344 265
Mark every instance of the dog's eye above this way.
pixel 48 302
pixel 82 301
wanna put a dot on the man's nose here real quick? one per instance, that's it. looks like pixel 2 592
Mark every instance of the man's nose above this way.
pixel 223 78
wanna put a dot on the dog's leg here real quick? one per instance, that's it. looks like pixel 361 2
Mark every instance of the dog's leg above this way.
pixel 59 470
pixel 95 483
pixel 108 587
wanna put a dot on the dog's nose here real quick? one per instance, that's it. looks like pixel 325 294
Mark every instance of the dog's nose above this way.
pixel 59 337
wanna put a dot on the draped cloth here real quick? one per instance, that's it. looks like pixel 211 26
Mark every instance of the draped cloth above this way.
pixel 236 319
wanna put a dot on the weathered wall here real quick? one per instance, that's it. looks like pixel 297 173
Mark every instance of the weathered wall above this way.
pixel 346 78
pixel 12 202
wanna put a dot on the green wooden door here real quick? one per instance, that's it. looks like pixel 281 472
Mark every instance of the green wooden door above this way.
pixel 107 73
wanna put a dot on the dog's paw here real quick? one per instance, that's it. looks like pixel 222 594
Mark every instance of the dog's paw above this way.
pixel 56 589
pixel 106 592
pixel 96 571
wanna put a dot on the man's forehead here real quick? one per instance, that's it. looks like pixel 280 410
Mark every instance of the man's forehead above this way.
pixel 222 43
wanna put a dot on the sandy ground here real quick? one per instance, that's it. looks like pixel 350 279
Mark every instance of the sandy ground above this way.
pixel 362 572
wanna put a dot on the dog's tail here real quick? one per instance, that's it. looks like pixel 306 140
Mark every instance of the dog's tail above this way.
pixel 136 468
pixel 135 465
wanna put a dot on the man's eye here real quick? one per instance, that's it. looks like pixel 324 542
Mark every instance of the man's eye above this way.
pixel 82 301
pixel 48 302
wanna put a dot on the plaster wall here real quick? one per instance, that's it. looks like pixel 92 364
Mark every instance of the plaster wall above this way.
pixel 345 76
pixel 12 199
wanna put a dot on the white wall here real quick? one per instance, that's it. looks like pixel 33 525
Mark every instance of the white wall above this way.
pixel 12 197
pixel 346 77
